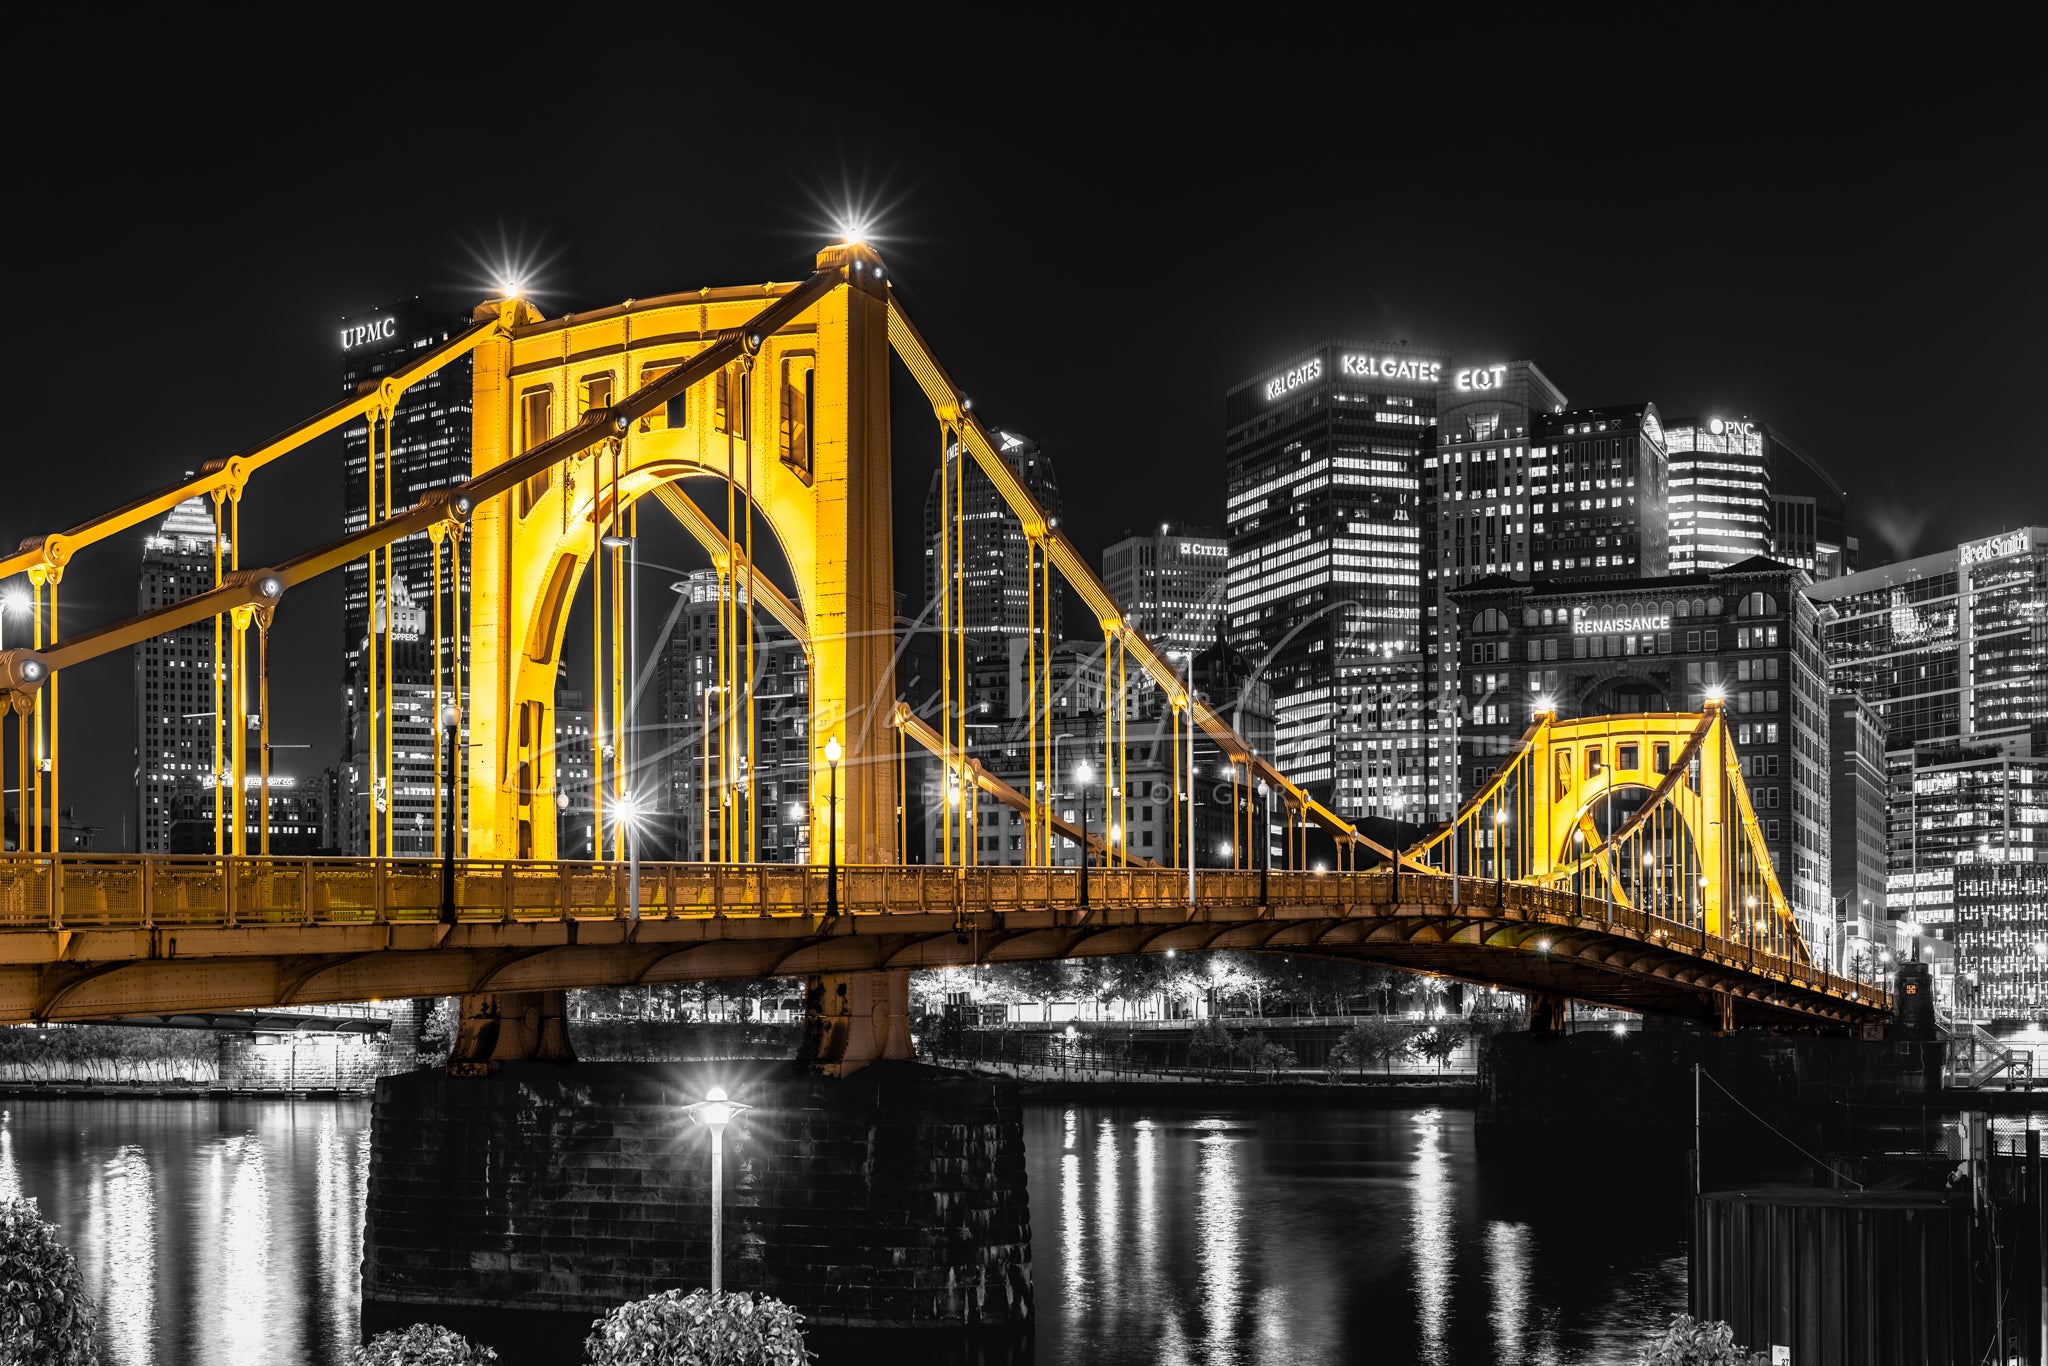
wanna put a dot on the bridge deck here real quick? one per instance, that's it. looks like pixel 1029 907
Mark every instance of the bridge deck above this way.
pixel 85 937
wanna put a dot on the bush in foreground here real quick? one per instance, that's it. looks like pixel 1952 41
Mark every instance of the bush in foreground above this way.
pixel 423 1344
pixel 1690 1342
pixel 678 1329
pixel 46 1317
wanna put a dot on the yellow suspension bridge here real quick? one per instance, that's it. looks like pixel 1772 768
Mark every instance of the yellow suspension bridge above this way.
pixel 778 394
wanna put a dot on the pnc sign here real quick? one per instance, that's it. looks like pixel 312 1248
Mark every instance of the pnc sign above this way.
pixel 381 329
pixel 1993 547
pixel 1583 625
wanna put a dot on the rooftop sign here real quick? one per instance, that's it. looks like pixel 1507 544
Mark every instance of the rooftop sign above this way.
pixel 1994 547
pixel 1583 625
pixel 360 334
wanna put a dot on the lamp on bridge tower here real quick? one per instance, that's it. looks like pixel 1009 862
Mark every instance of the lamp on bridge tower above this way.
pixel 832 753
pixel 1084 774
pixel 451 722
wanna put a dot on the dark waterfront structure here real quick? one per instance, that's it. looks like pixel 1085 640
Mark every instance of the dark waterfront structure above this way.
pixel 1952 651
pixel 893 1198
pixel 430 449
pixel 1665 645
pixel 174 721
pixel 1326 525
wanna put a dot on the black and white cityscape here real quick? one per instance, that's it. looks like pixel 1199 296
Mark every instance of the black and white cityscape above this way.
pixel 1042 728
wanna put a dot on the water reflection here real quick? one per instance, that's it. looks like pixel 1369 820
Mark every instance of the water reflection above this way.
pixel 1431 1237
pixel 122 1217
pixel 216 1232
pixel 1295 1236
pixel 209 1232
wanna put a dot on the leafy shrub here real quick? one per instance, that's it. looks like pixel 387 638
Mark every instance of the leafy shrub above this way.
pixel 1688 1342
pixel 46 1318
pixel 423 1344
pixel 1212 1044
pixel 1438 1043
pixel 677 1329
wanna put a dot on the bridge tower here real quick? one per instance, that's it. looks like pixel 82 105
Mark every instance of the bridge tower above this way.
pixel 794 430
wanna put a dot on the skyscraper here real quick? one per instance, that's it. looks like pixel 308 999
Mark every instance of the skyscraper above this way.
pixel 1325 520
pixel 1170 586
pixel 1952 650
pixel 1741 488
pixel 710 797
pixel 1476 484
pixel 173 679
pixel 430 449
pixel 996 608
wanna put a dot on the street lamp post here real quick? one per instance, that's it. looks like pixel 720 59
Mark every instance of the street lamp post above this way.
pixel 1500 826
pixel 1578 870
pixel 629 817
pixel 832 752
pixel 1266 842
pixel 1084 774
pixel 715 1112
pixel 451 721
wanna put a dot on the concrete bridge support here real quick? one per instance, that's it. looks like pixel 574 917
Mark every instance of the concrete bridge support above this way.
pixel 853 1019
pixel 510 1026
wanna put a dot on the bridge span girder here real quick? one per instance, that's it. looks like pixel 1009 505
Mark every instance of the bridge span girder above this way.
pixel 1532 942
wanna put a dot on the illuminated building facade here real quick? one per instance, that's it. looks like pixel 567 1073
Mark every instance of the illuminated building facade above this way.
pixel 1326 525
pixel 709 800
pixel 1741 488
pixel 173 684
pixel 1952 650
pixel 1170 586
pixel 1746 633
pixel 1856 785
pixel 298 818
pixel 430 449
pixel 996 603
pixel 1477 491
pixel 2001 937
pixel 415 736
pixel 1602 476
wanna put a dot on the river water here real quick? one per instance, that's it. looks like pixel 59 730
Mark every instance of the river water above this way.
pixel 231 1232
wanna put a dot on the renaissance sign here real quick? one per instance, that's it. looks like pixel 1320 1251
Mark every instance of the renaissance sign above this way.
pixel 1619 624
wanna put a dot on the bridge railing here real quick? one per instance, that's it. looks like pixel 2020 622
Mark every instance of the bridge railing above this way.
pixel 114 891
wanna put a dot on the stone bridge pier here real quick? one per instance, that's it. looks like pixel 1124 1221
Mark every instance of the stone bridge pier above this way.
pixel 864 1187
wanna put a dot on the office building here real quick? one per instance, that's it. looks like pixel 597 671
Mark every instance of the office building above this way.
pixel 1663 645
pixel 1325 591
pixel 713 792
pixel 2001 939
pixel 1741 488
pixel 174 695
pixel 996 607
pixel 1170 586
pixel 298 818
pixel 1600 478
pixel 575 759
pixel 1856 821
pixel 430 449
pixel 1952 651
pixel 406 786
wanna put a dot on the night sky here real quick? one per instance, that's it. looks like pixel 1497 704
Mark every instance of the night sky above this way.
pixel 1095 254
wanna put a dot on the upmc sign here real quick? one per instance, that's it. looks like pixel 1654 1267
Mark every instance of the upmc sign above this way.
pixel 377 329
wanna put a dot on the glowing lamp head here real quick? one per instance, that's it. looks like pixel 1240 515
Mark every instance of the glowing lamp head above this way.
pixel 1500 817
pixel 715 1110
pixel 832 750
pixel 15 600
pixel 1084 772
pixel 1716 695
pixel 561 801
pixel 1546 705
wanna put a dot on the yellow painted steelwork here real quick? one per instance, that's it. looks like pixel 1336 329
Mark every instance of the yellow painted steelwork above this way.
pixel 84 937
pixel 1693 851
pixel 790 414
